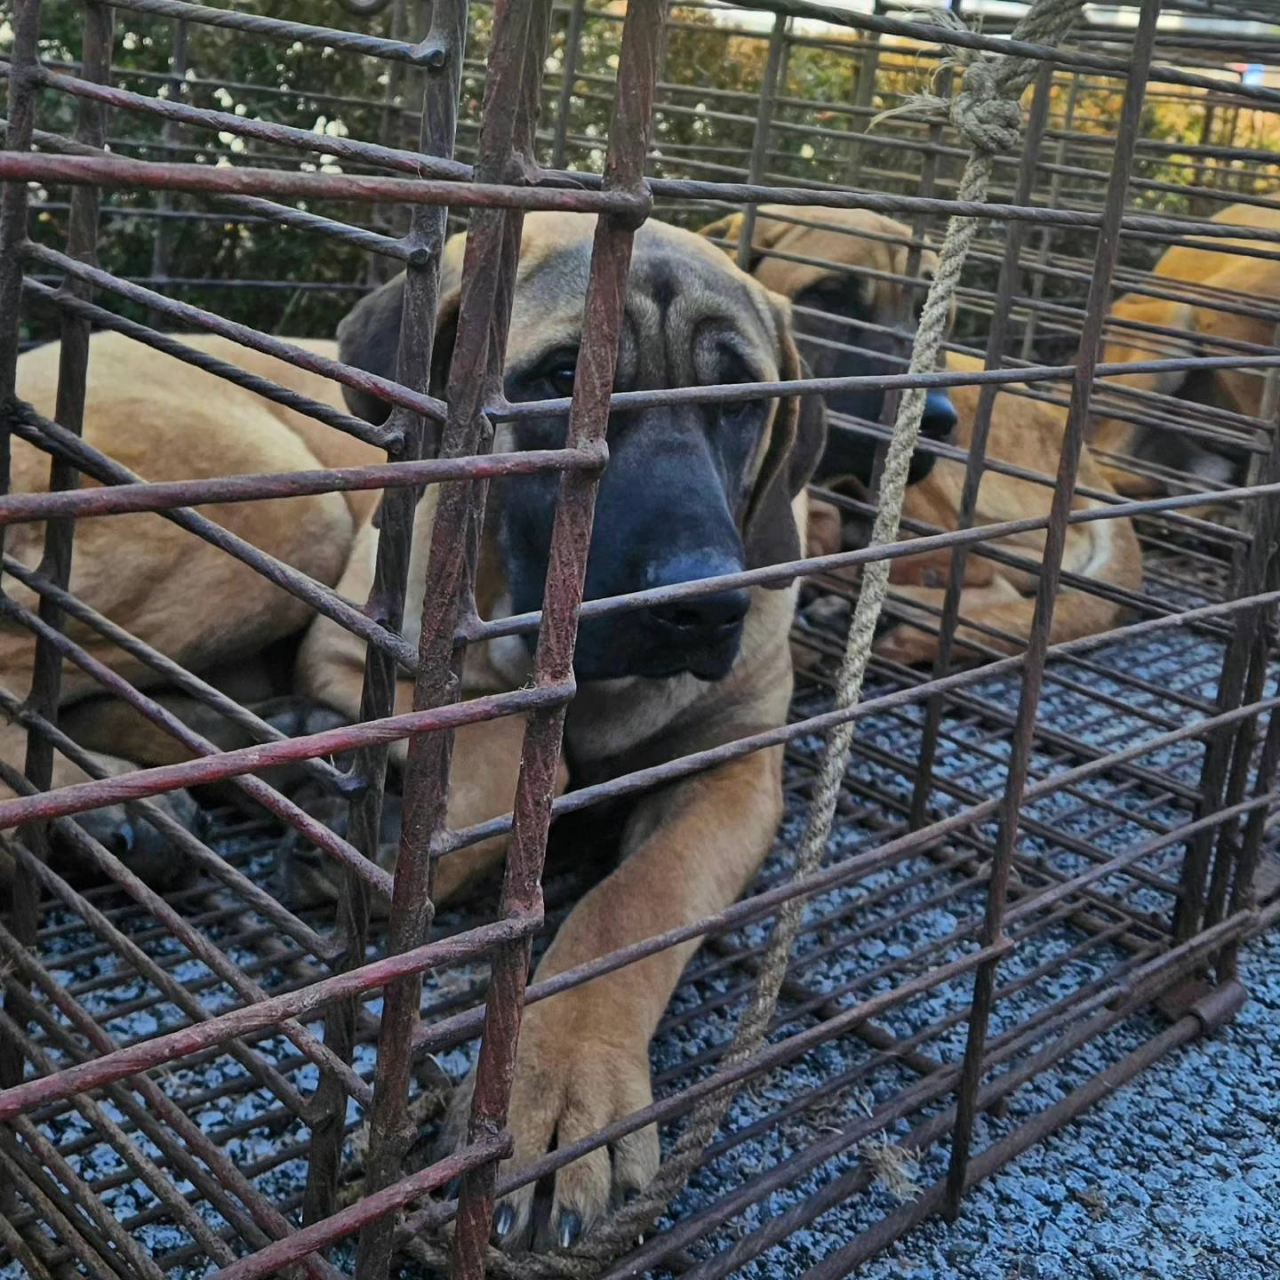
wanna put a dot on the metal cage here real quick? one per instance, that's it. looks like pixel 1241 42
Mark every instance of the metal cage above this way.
pixel 1043 865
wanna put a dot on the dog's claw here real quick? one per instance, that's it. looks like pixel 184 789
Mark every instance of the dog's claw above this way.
pixel 569 1229
pixel 503 1221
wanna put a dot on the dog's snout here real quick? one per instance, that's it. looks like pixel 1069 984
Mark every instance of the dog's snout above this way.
pixel 939 418
pixel 703 616
pixel 699 634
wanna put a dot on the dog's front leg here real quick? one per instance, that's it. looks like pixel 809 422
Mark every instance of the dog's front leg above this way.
pixel 583 1060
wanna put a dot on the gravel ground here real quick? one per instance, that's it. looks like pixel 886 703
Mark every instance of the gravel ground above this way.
pixel 1176 1177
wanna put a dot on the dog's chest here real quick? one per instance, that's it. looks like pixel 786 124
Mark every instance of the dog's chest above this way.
pixel 610 720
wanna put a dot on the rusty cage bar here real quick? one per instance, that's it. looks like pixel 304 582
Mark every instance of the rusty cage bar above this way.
pixel 1045 842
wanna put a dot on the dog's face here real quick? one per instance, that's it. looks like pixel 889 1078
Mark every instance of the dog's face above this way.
pixel 851 316
pixel 690 491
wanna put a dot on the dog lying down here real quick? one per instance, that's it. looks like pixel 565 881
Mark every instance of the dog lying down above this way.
pixel 690 492
pixel 1195 274
pixel 844 271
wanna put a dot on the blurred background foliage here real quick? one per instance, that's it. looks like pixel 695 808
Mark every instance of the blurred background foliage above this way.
pixel 829 86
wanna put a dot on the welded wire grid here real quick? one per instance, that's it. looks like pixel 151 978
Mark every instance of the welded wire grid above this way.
pixel 184 1074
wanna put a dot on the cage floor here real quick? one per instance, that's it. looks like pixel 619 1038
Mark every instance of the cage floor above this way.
pixel 834 1121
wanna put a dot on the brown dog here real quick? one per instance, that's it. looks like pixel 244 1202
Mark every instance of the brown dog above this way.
pixel 1196 275
pixel 843 269
pixel 690 492
pixel 166 420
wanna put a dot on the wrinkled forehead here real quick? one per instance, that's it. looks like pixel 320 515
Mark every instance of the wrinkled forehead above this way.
pixel 844 239
pixel 677 281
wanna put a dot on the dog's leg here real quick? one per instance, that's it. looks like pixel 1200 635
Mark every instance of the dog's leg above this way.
pixel 1105 551
pixel 1129 484
pixel 915 643
pixel 1000 607
pixel 486 763
pixel 583 1060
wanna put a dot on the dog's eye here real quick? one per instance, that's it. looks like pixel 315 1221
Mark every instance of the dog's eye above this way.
pixel 833 291
pixel 560 377
pixel 557 372
pixel 735 412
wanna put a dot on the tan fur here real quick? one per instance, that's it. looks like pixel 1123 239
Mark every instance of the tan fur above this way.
pixel 1025 433
pixel 166 420
pixel 1204 271
pixel 689 850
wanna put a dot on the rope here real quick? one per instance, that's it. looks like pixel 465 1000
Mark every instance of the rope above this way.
pixel 987 114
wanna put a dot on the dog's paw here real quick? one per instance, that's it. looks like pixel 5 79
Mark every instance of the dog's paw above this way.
pixel 144 848
pixel 566 1088
pixel 307 877
pixel 296 716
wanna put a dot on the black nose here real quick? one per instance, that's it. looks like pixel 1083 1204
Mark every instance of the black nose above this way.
pixel 704 617
pixel 939 417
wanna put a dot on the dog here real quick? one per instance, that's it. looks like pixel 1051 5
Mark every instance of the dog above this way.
pixel 690 492
pixel 1202 272
pixel 844 271
pixel 166 420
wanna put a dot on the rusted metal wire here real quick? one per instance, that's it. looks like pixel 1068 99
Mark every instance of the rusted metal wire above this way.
pixel 1129 834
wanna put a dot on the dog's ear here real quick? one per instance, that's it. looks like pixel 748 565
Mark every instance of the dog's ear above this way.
pixel 799 436
pixel 369 339
pixel 727 228
pixel 765 234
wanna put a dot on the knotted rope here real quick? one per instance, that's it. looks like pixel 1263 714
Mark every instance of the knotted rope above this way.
pixel 987 114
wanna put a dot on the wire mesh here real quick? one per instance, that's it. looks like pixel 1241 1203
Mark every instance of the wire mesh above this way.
pixel 1050 847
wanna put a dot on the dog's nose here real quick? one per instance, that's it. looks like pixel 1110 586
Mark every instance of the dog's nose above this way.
pixel 703 616
pixel 939 418
pixel 699 618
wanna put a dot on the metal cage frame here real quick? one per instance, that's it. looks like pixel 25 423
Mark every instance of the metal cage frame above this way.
pixel 58 1058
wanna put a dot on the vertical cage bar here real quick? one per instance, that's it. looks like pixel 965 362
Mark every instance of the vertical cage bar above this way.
pixel 568 71
pixel 1233 690
pixel 1046 235
pixel 1202 206
pixel 975 464
pixel 1243 890
pixel 1229 758
pixel 864 92
pixel 19 902
pixel 170 132
pixel 642 40
pixel 764 127
pixel 73 367
pixel 1105 258
pixel 515 67
pixel 1226 845
pixel 445 39
pixel 390 219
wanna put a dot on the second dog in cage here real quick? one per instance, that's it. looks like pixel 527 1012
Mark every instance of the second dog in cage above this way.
pixel 692 491
pixel 845 270
pixel 1203 300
